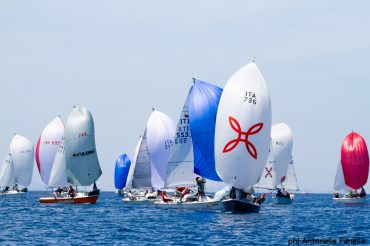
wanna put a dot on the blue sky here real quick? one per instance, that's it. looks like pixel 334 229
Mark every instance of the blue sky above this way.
pixel 121 58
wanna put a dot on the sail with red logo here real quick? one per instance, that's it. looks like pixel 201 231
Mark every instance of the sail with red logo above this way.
pixel 242 135
pixel 355 161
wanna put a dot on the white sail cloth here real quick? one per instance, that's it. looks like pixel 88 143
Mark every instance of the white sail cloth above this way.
pixel 47 146
pixel 82 162
pixel 180 170
pixel 160 133
pixel 243 128
pixel 282 144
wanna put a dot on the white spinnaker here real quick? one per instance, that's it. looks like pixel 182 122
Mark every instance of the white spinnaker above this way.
pixel 7 171
pixel 130 175
pixel 160 132
pixel 244 107
pixel 282 144
pixel 47 146
pixel 291 182
pixel 180 170
pixel 58 175
pixel 142 172
pixel 82 162
pixel 339 183
pixel 22 152
pixel 268 177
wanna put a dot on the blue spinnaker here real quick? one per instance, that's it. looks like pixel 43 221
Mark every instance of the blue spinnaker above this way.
pixel 203 104
pixel 122 168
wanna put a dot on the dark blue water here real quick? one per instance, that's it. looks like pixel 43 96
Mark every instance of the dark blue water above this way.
pixel 25 221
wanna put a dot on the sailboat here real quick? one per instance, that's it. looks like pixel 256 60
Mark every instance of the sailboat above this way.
pixel 121 172
pixel 76 160
pixel 353 170
pixel 192 153
pixel 242 136
pixel 47 146
pixel 149 165
pixel 290 183
pixel 17 167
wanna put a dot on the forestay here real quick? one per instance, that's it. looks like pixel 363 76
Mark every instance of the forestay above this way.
pixel 243 128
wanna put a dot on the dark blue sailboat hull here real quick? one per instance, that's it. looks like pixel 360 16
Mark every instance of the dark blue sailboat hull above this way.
pixel 240 206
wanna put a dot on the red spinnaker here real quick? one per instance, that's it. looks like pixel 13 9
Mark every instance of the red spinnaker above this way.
pixel 355 161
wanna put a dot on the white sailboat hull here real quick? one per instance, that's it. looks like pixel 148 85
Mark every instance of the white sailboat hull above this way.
pixel 12 192
pixel 348 200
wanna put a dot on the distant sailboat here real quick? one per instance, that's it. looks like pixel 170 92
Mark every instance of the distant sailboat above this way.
pixel 81 161
pixel 353 170
pixel 149 164
pixel 192 152
pixel 274 175
pixel 121 172
pixel 17 167
pixel 242 136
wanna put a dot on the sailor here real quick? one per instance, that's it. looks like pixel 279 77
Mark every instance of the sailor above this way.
pixel 261 199
pixel 233 193
pixel 184 192
pixel 278 193
pixel 284 193
pixel 95 187
pixel 165 198
pixel 200 183
pixel 336 194
pixel 71 191
pixel 15 187
pixel 362 192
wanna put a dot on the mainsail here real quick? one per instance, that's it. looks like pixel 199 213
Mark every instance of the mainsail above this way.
pixel 132 166
pixel 121 171
pixel 7 172
pixel 290 182
pixel 282 144
pixel 58 175
pixel 160 132
pixel 243 128
pixel 203 104
pixel 339 183
pixel 47 146
pixel 141 177
pixel 355 161
pixel 81 158
pixel 180 170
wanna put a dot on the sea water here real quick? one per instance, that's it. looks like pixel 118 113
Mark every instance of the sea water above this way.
pixel 315 217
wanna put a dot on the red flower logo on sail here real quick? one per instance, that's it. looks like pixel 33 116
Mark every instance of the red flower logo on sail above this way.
pixel 256 128
pixel 268 172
